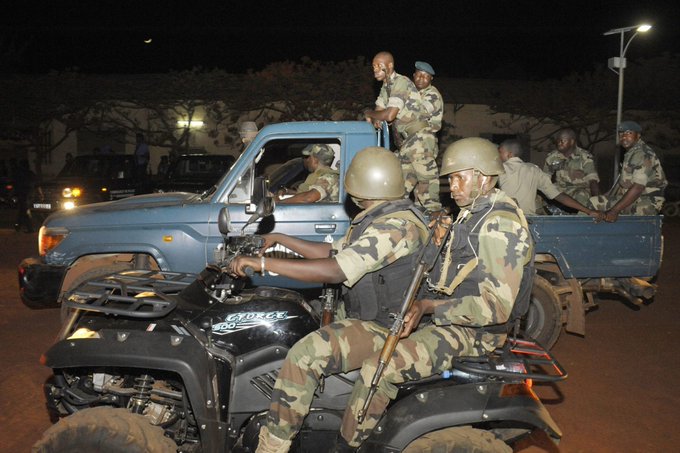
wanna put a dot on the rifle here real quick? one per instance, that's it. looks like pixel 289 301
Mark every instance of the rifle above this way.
pixel 426 261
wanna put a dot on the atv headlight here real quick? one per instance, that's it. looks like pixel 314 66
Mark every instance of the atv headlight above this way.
pixel 49 238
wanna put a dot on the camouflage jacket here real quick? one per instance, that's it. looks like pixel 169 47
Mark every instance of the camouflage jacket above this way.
pixel 386 240
pixel 487 295
pixel 324 180
pixel 575 171
pixel 399 91
pixel 434 105
pixel 641 166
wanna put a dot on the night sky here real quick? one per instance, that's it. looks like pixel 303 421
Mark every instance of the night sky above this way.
pixel 486 39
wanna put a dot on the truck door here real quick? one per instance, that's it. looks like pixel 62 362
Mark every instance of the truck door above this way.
pixel 282 163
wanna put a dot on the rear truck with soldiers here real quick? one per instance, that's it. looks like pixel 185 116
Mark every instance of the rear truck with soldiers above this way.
pixel 177 232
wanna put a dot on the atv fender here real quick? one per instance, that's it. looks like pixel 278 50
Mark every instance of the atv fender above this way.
pixel 177 353
pixel 442 407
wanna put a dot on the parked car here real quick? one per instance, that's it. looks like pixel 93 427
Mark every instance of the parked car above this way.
pixel 194 173
pixel 88 179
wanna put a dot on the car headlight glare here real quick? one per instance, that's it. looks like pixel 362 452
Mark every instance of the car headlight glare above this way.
pixel 72 192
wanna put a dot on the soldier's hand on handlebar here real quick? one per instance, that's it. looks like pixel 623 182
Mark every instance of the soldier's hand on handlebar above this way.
pixel 239 264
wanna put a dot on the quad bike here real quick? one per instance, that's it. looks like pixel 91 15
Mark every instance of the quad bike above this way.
pixel 161 361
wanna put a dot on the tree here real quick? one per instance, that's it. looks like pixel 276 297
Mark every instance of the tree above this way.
pixel 579 101
pixel 32 105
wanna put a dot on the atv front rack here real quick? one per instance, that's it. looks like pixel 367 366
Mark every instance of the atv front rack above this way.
pixel 518 359
pixel 131 293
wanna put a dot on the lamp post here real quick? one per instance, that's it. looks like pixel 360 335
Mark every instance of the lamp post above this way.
pixel 619 63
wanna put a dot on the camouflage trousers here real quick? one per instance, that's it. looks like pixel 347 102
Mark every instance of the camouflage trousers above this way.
pixel 417 155
pixel 351 344
pixel 578 193
pixel 642 206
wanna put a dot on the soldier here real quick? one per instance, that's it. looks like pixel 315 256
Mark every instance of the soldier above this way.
pixel 433 103
pixel 321 184
pixel 400 104
pixel 640 187
pixel 373 261
pixel 573 168
pixel 522 180
pixel 486 267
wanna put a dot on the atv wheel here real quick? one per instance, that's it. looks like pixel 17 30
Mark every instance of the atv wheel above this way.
pixel 89 275
pixel 543 321
pixel 104 429
pixel 458 440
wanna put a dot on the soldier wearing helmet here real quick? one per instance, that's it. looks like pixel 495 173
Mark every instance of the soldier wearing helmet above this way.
pixel 485 271
pixel 373 262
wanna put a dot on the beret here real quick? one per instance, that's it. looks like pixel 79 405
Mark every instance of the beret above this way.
pixel 425 67
pixel 629 126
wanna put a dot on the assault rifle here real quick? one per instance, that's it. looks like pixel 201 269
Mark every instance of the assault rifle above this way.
pixel 426 261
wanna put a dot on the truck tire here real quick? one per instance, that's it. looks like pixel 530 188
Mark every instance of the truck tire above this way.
pixel 104 429
pixel 458 439
pixel 89 275
pixel 543 321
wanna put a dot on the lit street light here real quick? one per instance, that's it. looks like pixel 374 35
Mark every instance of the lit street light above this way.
pixel 620 64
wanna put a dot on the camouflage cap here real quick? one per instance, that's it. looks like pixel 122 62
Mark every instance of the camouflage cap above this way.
pixel 629 126
pixel 425 67
pixel 321 151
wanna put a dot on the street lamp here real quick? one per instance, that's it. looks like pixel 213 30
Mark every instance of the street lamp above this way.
pixel 619 63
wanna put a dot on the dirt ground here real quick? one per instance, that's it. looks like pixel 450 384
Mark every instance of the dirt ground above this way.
pixel 620 395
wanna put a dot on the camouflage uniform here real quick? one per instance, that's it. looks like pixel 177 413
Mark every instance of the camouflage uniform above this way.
pixel 343 345
pixel 484 298
pixel 640 166
pixel 418 149
pixel 324 180
pixel 573 174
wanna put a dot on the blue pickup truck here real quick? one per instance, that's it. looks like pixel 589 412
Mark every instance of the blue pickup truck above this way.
pixel 576 259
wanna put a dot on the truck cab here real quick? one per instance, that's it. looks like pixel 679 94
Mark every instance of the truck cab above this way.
pixel 178 231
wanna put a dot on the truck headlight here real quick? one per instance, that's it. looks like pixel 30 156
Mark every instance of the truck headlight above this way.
pixel 72 192
pixel 49 238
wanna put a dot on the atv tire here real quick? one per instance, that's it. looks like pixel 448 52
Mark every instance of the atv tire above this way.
pixel 104 429
pixel 462 439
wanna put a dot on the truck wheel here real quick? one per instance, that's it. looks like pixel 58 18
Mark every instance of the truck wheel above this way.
pixel 458 439
pixel 105 429
pixel 543 321
pixel 89 275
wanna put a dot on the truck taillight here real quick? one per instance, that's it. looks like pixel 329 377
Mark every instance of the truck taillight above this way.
pixel 49 238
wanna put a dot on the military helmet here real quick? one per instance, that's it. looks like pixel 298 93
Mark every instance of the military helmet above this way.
pixel 375 174
pixel 472 153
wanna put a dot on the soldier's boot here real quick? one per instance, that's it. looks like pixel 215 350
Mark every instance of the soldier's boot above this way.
pixel 268 443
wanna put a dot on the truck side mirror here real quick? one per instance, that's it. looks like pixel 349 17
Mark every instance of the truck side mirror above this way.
pixel 265 208
pixel 224 221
